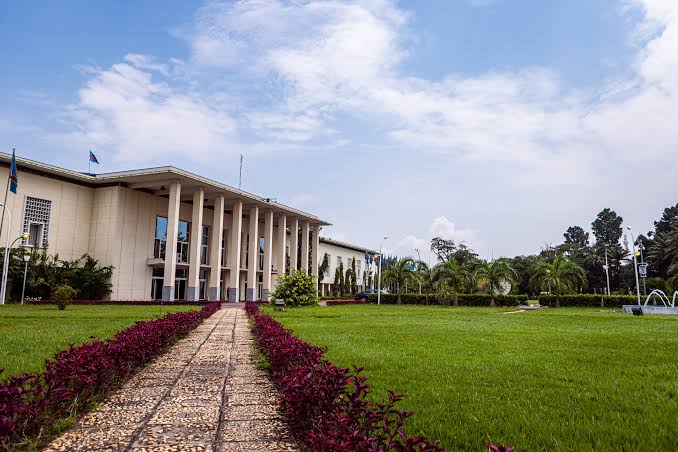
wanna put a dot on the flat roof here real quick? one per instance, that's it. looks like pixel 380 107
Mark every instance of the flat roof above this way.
pixel 155 180
pixel 346 245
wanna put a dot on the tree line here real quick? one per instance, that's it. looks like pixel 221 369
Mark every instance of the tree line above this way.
pixel 574 266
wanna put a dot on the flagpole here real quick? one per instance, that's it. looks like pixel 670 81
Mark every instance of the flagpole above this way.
pixel 4 204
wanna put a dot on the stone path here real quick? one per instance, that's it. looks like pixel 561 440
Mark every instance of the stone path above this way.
pixel 204 394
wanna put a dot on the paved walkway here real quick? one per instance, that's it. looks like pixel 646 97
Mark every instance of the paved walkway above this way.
pixel 204 394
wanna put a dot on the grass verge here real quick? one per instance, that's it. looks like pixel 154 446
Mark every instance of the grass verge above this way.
pixel 552 379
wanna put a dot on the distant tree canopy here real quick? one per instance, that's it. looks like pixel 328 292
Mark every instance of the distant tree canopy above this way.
pixel 575 235
pixel 443 248
pixel 607 227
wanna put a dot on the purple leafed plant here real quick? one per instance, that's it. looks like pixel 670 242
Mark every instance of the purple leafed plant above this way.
pixel 326 406
pixel 31 403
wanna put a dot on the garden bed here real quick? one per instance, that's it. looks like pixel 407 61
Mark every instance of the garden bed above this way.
pixel 326 406
pixel 35 405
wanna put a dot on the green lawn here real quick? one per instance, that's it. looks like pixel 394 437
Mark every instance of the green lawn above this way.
pixel 29 334
pixel 558 379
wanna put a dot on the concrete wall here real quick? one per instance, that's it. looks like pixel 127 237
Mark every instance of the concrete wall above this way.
pixel 70 215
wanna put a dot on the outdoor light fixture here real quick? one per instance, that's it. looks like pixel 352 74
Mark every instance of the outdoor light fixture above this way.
pixel 27 258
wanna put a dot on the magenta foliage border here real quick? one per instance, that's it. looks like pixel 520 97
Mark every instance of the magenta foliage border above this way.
pixel 124 302
pixel 326 406
pixel 30 403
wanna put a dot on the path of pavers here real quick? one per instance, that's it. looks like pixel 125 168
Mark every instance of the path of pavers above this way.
pixel 204 394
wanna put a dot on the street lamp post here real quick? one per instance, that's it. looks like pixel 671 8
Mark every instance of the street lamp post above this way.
pixel 5 268
pixel 607 272
pixel 381 258
pixel 27 257
pixel 419 259
pixel 635 264
pixel 548 272
pixel 643 273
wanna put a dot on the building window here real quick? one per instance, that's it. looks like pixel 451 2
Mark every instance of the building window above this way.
pixel 338 261
pixel 223 247
pixel 203 284
pixel 157 278
pixel 359 265
pixel 261 253
pixel 204 240
pixel 36 221
pixel 183 242
pixel 161 240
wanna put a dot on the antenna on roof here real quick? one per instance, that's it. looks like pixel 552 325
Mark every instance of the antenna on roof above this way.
pixel 240 177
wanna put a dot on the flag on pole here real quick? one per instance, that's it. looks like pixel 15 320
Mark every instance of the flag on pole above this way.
pixel 13 180
pixel 92 157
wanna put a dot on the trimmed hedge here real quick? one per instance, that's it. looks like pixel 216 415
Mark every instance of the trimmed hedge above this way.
pixel 588 300
pixel 343 302
pixel 327 407
pixel 125 302
pixel 463 299
pixel 337 298
pixel 31 403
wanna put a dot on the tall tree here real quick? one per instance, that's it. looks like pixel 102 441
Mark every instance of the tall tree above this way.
pixel 324 266
pixel 561 276
pixel 451 277
pixel 669 217
pixel 399 273
pixel 575 235
pixel 607 227
pixel 442 248
pixel 495 275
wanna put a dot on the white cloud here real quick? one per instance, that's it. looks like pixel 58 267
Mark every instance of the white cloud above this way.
pixel 126 108
pixel 444 228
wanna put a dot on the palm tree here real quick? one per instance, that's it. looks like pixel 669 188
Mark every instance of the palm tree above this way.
pixel 452 276
pixel 399 273
pixel 425 275
pixel 494 275
pixel 324 267
pixel 562 276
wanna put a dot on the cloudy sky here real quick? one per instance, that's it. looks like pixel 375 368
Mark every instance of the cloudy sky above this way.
pixel 494 122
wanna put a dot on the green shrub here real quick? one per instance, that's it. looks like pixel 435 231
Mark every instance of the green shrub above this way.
pixel 62 295
pixel 463 299
pixel 297 289
pixel 588 300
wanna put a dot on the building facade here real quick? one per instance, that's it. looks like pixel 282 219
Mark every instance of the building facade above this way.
pixel 346 256
pixel 226 244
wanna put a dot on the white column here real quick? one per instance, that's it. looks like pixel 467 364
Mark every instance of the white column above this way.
pixel 253 255
pixel 304 245
pixel 234 253
pixel 171 243
pixel 281 265
pixel 217 236
pixel 193 293
pixel 314 254
pixel 294 244
pixel 268 252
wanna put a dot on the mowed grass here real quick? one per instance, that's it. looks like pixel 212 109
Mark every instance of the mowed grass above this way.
pixel 29 334
pixel 558 379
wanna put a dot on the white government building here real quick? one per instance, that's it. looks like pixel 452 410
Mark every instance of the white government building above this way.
pixel 134 219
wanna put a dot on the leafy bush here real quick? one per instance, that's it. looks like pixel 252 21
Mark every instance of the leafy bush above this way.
pixel 463 299
pixel 62 295
pixel 297 289
pixel 589 300
pixel 31 403
pixel 46 272
pixel 327 407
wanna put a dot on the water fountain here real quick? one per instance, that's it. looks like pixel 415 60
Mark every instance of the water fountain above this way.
pixel 669 306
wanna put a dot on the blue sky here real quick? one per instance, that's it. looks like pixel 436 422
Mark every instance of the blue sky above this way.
pixel 494 122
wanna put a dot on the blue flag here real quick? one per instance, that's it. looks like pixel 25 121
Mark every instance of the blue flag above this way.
pixel 13 181
pixel 92 157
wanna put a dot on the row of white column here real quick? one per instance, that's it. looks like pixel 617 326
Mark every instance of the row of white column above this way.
pixel 235 248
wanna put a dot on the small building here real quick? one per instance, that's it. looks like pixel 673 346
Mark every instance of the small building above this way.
pixel 341 254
